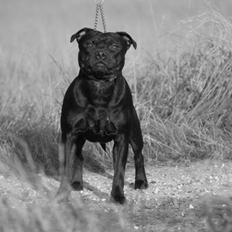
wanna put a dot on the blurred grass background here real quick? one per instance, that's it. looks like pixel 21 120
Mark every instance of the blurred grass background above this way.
pixel 184 51
pixel 180 77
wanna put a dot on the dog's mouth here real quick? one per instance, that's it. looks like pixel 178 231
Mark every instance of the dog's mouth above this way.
pixel 100 67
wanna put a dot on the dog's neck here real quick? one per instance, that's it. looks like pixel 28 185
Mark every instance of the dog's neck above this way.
pixel 103 78
pixel 100 92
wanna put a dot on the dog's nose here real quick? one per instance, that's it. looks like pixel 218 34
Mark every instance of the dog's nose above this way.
pixel 100 55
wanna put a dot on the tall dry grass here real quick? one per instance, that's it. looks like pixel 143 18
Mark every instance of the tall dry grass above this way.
pixel 184 95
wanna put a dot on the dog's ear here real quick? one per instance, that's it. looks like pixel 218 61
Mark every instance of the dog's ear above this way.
pixel 128 39
pixel 77 36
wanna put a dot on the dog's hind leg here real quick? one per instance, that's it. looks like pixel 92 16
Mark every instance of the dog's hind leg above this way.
pixel 103 145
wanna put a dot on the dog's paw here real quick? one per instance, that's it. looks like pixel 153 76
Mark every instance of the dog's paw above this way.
pixel 119 199
pixel 118 196
pixel 77 185
pixel 141 184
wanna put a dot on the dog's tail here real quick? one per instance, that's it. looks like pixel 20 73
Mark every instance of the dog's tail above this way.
pixel 103 145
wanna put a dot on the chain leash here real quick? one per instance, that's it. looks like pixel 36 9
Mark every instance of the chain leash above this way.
pixel 96 17
pixel 99 8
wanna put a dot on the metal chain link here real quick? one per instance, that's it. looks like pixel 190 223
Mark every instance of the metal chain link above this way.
pixel 103 17
pixel 99 7
pixel 96 17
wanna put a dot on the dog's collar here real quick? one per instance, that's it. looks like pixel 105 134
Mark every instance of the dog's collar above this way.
pixel 107 78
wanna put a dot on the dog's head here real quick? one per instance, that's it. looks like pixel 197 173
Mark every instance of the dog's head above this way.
pixel 102 54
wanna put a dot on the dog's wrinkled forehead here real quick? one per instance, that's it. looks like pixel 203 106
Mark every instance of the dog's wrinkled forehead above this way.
pixel 99 38
pixel 105 38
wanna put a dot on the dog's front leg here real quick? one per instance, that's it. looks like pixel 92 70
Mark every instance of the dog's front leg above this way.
pixel 77 165
pixel 71 162
pixel 120 152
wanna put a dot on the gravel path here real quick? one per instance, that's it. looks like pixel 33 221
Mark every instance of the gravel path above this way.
pixel 174 197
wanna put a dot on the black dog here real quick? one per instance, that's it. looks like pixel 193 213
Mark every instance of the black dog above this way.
pixel 98 107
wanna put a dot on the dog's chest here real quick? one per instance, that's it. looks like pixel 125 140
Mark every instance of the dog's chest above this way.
pixel 99 122
pixel 100 93
pixel 100 118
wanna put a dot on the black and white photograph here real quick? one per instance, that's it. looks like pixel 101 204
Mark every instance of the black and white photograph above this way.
pixel 115 116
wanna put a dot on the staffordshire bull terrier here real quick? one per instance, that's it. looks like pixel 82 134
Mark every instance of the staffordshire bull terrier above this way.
pixel 98 107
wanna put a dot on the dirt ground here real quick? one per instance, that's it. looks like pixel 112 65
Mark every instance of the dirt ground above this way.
pixel 174 201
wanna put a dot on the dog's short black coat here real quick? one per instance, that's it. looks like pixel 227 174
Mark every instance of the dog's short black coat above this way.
pixel 98 107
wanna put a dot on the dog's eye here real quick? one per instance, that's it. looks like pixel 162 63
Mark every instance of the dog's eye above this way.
pixel 90 44
pixel 114 46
